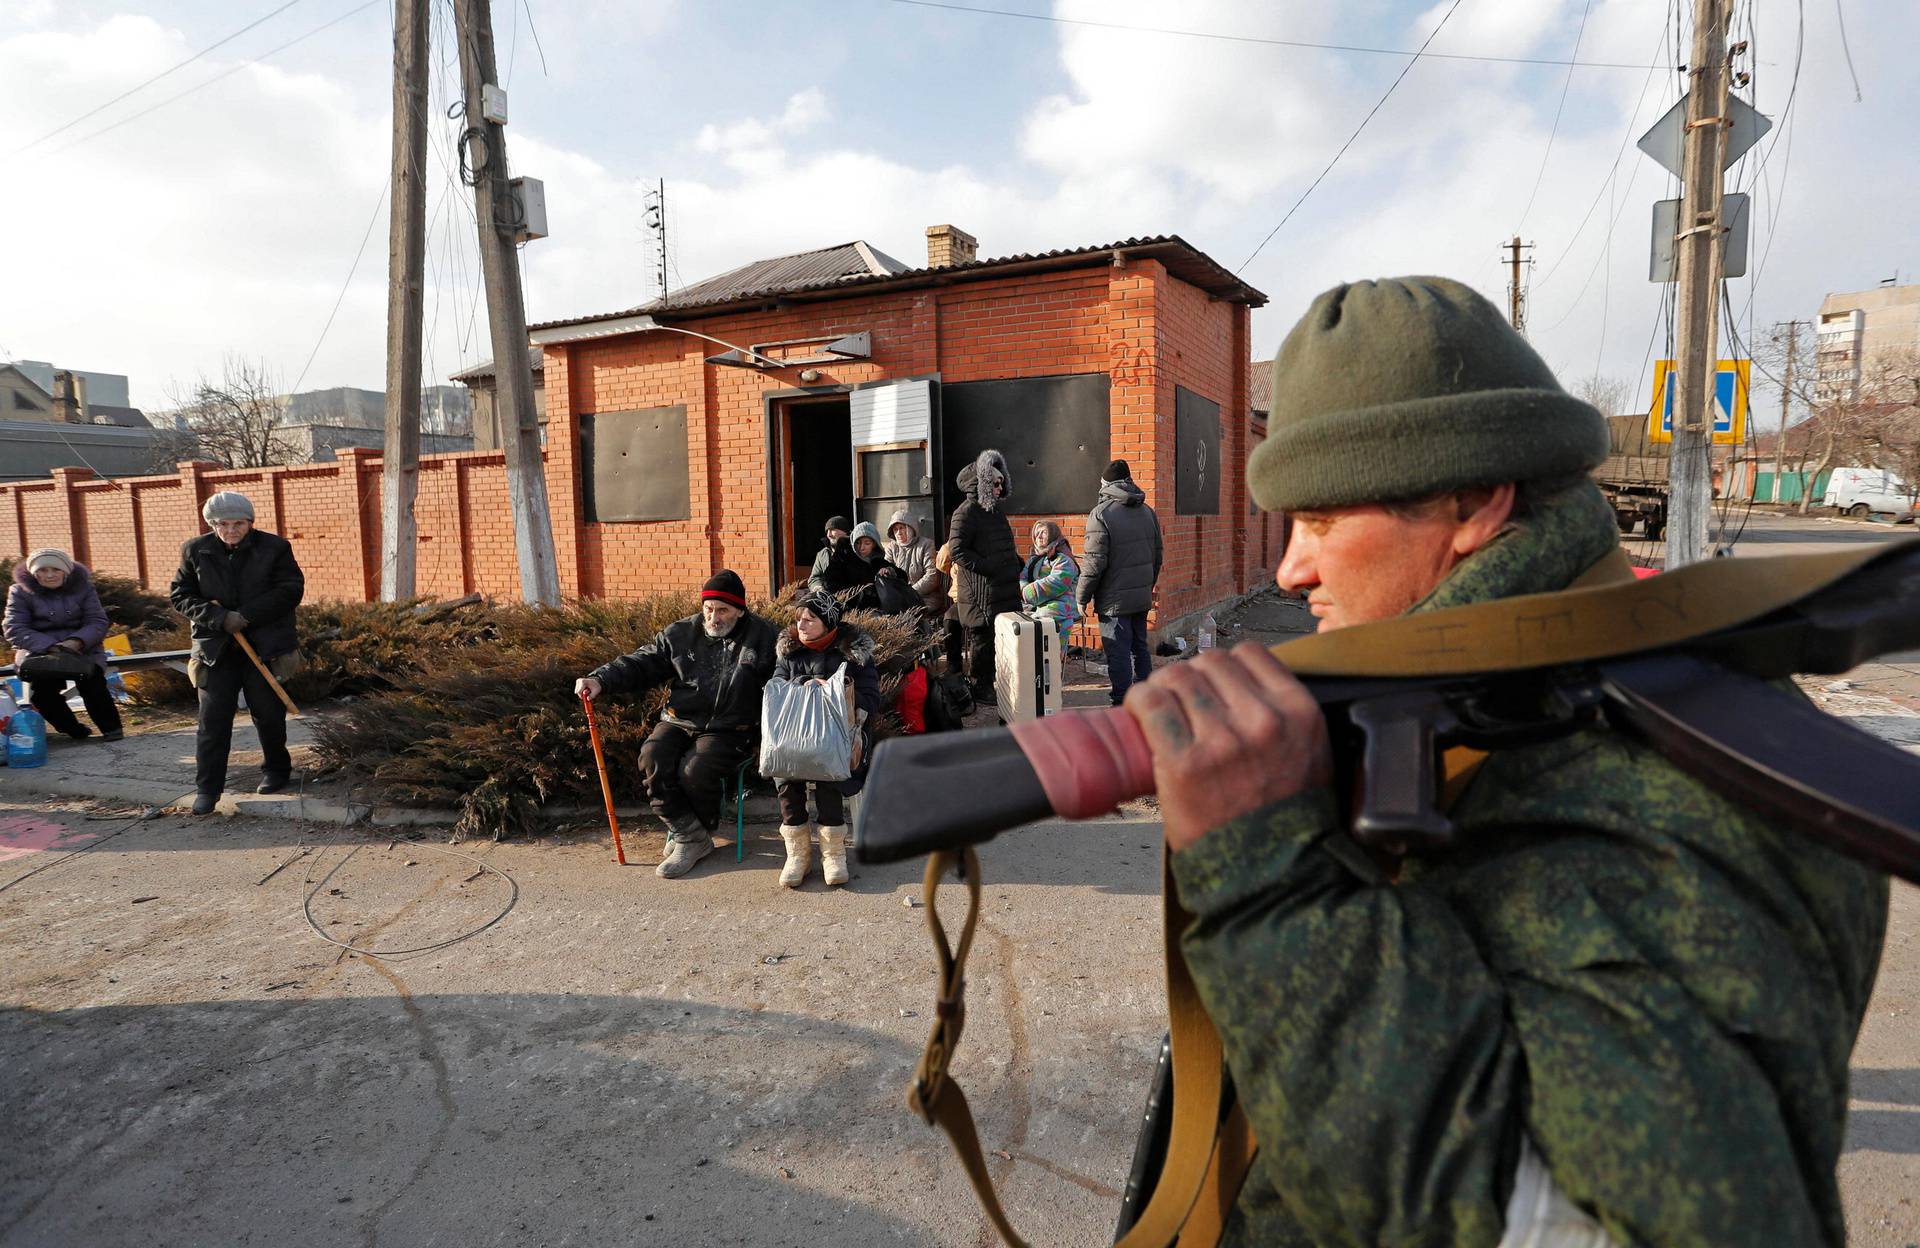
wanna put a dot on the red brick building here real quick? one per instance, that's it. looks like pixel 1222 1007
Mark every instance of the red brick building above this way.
pixel 721 426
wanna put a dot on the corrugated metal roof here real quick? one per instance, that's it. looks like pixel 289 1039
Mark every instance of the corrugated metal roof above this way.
pixel 832 269
pixel 1260 385
pixel 802 270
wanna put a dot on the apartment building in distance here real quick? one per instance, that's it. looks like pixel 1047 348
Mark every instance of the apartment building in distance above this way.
pixel 1856 330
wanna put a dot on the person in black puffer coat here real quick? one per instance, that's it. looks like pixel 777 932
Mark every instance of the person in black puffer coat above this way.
pixel 819 644
pixel 238 581
pixel 986 563
pixel 1122 563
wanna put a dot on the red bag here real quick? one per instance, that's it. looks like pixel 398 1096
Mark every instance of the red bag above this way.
pixel 913 701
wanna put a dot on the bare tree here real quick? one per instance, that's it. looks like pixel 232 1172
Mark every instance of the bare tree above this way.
pixel 1871 427
pixel 236 420
pixel 1610 394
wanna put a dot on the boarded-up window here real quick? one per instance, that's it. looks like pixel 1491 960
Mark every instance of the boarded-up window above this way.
pixel 1196 450
pixel 1054 431
pixel 636 465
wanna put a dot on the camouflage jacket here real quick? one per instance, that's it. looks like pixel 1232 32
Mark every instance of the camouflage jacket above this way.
pixel 1657 987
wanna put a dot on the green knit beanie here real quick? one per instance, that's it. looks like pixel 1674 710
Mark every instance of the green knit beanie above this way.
pixel 1407 387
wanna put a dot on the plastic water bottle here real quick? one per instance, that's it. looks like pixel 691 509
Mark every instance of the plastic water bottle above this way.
pixel 1206 631
pixel 27 739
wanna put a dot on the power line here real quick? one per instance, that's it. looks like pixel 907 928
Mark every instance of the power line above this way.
pixel 1558 109
pixel 373 220
pixel 156 78
pixel 221 76
pixel 1350 138
pixel 1612 171
pixel 1840 12
pixel 1256 39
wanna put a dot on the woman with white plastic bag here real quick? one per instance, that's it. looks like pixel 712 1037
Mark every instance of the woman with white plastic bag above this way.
pixel 819 647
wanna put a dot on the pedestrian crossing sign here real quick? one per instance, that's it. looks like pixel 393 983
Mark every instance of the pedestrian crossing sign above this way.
pixel 1732 383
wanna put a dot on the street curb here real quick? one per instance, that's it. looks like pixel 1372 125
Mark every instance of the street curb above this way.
pixel 252 805
pixel 278 805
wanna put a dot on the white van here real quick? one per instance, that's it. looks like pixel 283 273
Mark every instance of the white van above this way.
pixel 1863 491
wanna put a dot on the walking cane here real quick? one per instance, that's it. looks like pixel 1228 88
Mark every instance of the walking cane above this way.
pixel 274 684
pixel 606 785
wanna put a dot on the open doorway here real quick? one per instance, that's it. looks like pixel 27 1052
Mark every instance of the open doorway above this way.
pixel 816 442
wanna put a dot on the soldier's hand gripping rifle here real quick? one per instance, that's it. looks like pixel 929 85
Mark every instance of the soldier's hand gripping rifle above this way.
pixel 1686 659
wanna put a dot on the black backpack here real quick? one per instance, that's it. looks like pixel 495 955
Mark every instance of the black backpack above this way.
pixel 949 701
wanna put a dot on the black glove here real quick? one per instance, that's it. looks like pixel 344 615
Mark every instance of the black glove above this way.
pixel 234 623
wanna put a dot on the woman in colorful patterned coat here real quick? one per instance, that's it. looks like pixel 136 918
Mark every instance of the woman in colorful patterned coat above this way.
pixel 1050 578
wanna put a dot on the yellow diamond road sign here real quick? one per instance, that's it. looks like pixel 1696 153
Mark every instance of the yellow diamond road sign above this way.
pixel 1731 385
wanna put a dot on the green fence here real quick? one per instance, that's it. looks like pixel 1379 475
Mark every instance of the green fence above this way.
pixel 1791 486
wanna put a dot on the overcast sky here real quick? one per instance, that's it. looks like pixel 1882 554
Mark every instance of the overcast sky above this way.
pixel 156 243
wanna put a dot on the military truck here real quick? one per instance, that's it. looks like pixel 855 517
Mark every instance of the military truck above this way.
pixel 1634 476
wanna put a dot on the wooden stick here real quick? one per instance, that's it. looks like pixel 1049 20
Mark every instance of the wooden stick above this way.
pixel 255 656
pixel 606 784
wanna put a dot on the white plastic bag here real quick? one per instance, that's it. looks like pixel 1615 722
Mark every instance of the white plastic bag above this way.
pixel 804 734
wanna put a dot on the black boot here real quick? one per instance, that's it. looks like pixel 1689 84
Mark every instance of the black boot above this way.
pixel 204 802
pixel 271 783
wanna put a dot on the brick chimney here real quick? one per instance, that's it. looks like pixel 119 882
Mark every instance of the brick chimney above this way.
pixel 66 405
pixel 948 245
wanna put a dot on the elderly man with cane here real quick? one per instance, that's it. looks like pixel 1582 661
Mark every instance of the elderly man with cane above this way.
pixel 238 584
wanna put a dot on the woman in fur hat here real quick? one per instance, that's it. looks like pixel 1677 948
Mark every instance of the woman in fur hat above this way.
pixel 54 610
pixel 986 563
pixel 818 644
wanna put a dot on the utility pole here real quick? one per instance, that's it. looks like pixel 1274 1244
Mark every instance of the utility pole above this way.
pixel 1786 399
pixel 1516 289
pixel 406 257
pixel 1700 248
pixel 657 222
pixel 493 202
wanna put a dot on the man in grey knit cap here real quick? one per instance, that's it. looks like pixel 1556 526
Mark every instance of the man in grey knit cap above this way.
pixel 1619 1008
pixel 238 581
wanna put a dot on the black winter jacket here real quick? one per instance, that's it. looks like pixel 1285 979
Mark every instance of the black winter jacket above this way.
pixel 714 683
pixel 1121 559
pixel 853 648
pixel 259 578
pixel 986 563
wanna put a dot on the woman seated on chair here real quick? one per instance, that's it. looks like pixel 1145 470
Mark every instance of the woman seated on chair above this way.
pixel 56 625
pixel 819 644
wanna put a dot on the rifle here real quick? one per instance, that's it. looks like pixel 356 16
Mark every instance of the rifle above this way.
pixel 1705 698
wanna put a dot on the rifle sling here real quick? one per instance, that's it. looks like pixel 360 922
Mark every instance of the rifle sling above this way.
pixel 1206 1160
pixel 1598 617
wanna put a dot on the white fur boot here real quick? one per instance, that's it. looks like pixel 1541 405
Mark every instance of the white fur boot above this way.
pixel 833 853
pixel 799 852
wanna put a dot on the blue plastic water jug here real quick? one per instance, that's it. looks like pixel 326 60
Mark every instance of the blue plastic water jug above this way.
pixel 27 739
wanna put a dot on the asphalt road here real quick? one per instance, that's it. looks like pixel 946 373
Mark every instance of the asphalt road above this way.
pixel 620 1060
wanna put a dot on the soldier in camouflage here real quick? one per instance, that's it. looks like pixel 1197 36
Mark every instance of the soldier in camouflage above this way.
pixel 1620 1009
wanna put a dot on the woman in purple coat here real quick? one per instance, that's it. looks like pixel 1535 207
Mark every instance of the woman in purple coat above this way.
pixel 53 609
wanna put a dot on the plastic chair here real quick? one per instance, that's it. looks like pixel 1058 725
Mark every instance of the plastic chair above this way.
pixel 738 782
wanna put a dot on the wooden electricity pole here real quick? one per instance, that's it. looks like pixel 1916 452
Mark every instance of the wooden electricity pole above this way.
pixel 1516 289
pixel 493 202
pixel 1700 247
pixel 406 257
pixel 1786 400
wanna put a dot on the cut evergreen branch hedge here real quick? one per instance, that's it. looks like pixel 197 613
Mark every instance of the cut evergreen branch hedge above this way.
pixel 476 710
